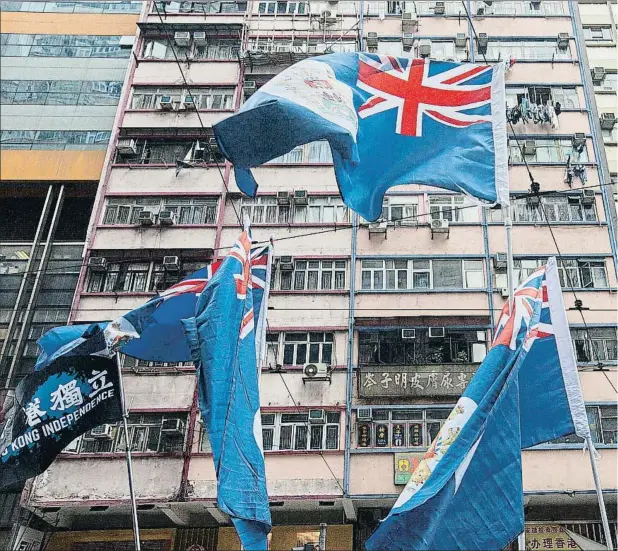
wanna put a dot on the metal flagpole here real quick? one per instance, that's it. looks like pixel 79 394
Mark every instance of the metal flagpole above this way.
pixel 125 416
pixel 597 484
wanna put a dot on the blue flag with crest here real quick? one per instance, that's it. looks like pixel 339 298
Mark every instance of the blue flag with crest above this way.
pixel 222 337
pixel 388 120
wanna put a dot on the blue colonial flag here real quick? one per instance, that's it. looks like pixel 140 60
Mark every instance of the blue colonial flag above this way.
pixel 222 337
pixel 389 121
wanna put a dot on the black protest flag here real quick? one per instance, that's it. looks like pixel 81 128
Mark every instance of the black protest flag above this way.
pixel 52 407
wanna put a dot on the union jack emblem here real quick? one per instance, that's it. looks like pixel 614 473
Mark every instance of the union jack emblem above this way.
pixel 408 87
pixel 194 285
pixel 515 325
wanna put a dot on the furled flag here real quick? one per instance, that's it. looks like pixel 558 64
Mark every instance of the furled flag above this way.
pixel 470 478
pixel 223 339
pixel 51 407
pixel 163 340
pixel 388 120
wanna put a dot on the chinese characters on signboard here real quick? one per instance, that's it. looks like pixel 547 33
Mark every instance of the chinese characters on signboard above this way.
pixel 548 536
pixel 438 380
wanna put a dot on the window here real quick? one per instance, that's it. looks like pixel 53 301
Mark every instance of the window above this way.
pixel 204 98
pixel 401 428
pixel 192 210
pixel 200 6
pixel 302 348
pixel 148 432
pixel 159 48
pixel 265 210
pixel 548 151
pixel 425 7
pixel 271 45
pixel 60 92
pixel 72 7
pixel 567 208
pixel 168 152
pixel 55 139
pixel 314 275
pixel 400 210
pixel 609 83
pixel 597 344
pixel 61 45
pixel 520 7
pixel 421 274
pixel 326 210
pixel 610 136
pixel 541 50
pixel 593 34
pixel 603 426
pixel 390 348
pixel 314 152
pixel 283 7
pixel 125 210
pixel 587 274
pixel 292 431
pixel 454 208
pixel 542 95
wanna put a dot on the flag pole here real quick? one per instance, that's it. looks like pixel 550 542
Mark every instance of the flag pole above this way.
pixel 125 416
pixel 597 484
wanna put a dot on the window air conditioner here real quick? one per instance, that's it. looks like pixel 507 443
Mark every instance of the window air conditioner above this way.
pixel 97 264
pixel 481 43
pixel 409 22
pixel 283 197
pixel 249 88
pixel 182 39
pixel 372 40
pixel 578 139
pixel 317 416
pixel 588 197
pixel 166 103
pixel 439 9
pixel 171 263
pixel 315 370
pixel 536 4
pixel 440 225
pixel 167 218
pixel 188 102
pixel 126 146
pixel 102 431
pixel 363 414
pixel 424 48
pixel 408 333
pixel 436 332
pixel 199 38
pixel 286 263
pixel 301 197
pixel 379 227
pixel 173 426
pixel 504 292
pixel 529 147
pixel 608 121
pixel 598 74
pixel 145 218
pixel 563 41
pixel 461 40
pixel 500 262
pixel 408 41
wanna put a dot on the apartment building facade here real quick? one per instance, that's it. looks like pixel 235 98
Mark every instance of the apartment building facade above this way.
pixel 62 69
pixel 396 315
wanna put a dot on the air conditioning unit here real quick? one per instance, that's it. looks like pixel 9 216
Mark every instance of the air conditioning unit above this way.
pixel 578 140
pixel 283 197
pixel 328 16
pixel 536 4
pixel 439 8
pixel 424 47
pixel 173 426
pixel 500 262
pixel 439 225
pixel 598 74
pixel 145 218
pixel 301 197
pixel 504 292
pixel 461 41
pixel 588 197
pixel 608 121
pixel 315 370
pixel 182 39
pixel 408 41
pixel 166 103
pixel 167 218
pixel 317 416
pixel 436 332
pixel 102 432
pixel 377 228
pixel 372 40
pixel 529 147
pixel 188 102
pixel 286 263
pixel 199 38
pixel 171 263
pixel 409 22
pixel 563 41
pixel 249 88
pixel 363 414
pixel 408 333
pixel 126 146
pixel 97 264
pixel 481 43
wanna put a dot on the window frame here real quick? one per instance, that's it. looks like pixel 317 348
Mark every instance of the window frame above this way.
pixel 274 422
pixel 288 281
pixel 325 346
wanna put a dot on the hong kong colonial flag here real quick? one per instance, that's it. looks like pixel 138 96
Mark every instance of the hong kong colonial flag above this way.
pixel 389 121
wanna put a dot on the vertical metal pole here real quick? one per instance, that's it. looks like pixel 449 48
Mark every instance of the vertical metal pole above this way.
pixel 322 536
pixel 125 416
pixel 597 484
pixel 521 541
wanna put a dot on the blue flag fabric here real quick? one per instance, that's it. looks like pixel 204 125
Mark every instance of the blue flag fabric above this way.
pixel 470 478
pixel 222 338
pixel 389 121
